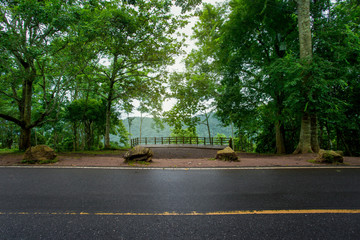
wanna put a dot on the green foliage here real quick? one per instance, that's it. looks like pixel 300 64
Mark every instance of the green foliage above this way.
pixel 8 134
pixel 220 135
pixel 8 151
pixel 149 128
pixel 68 68
pixel 123 134
pixel 187 132
pixel 195 89
pixel 39 162
pixel 255 53
pixel 90 112
pixel 265 141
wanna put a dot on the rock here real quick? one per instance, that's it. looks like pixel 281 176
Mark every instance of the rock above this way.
pixel 227 154
pixel 329 156
pixel 39 154
pixel 139 153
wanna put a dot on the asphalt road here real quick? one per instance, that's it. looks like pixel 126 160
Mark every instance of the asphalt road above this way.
pixel 174 204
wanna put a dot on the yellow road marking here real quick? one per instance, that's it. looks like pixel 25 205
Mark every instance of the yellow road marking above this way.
pixel 194 213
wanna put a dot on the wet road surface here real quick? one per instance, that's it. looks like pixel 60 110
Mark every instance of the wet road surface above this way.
pixel 37 203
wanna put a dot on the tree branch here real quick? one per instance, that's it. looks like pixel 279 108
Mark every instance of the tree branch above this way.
pixel 12 119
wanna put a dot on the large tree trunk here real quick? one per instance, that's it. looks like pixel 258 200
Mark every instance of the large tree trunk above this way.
pixel 25 114
pixel 304 30
pixel 280 138
pixel 108 115
pixel 308 141
pixel 304 145
pixel 25 139
pixel 88 135
pixel 75 132
pixel 314 134
pixel 108 125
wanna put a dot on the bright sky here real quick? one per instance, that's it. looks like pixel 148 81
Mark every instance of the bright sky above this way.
pixel 188 31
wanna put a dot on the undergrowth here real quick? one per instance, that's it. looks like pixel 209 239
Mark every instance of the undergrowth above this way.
pixel 39 162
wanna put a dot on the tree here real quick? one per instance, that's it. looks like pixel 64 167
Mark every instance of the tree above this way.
pixel 267 76
pixel 336 60
pixel 254 42
pixel 308 141
pixel 34 36
pixel 195 89
pixel 137 40
pixel 194 93
pixel 90 112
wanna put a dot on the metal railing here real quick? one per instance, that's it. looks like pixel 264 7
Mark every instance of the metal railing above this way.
pixel 213 141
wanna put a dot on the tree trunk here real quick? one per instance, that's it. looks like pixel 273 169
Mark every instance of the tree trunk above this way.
pixel 280 138
pixel 305 40
pixel 141 122
pixel 75 132
pixel 304 145
pixel 108 125
pixel 25 139
pixel 314 134
pixel 208 124
pixel 308 141
pixel 88 135
pixel 130 123
pixel 25 113
pixel 232 136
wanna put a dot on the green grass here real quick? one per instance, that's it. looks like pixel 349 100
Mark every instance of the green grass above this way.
pixel 39 162
pixel 7 151
pixel 133 163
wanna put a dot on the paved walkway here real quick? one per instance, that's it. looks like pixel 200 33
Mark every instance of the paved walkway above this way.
pixel 199 146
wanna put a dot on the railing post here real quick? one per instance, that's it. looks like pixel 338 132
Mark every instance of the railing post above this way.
pixel 162 140
pixel 204 140
pixel 155 140
pixel 197 140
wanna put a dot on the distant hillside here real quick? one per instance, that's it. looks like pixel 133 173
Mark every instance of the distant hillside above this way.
pixel 149 129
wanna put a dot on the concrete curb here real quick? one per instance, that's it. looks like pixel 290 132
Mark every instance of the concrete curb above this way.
pixel 183 169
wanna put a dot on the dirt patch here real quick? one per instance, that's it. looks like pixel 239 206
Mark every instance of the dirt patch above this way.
pixel 179 157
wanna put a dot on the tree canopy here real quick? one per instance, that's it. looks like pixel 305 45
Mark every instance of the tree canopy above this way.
pixel 283 74
pixel 274 85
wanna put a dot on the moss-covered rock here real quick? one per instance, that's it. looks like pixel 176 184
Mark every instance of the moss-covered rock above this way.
pixel 227 154
pixel 39 154
pixel 329 156
pixel 139 153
